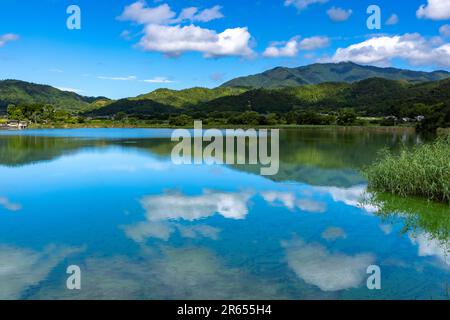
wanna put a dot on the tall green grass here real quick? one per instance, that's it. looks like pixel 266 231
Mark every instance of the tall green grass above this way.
pixel 422 171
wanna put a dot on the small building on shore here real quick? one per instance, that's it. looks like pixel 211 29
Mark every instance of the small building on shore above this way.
pixel 15 124
pixel 420 118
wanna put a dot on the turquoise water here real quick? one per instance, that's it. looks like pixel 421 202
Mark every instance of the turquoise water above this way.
pixel 139 227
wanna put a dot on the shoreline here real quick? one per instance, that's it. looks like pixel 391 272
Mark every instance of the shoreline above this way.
pixel 372 128
pixel 205 126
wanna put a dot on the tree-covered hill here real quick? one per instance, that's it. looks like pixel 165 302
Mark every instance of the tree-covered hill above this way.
pixel 21 92
pixel 330 72
pixel 375 96
pixel 144 107
pixel 189 97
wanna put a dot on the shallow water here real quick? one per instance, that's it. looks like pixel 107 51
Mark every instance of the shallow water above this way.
pixel 139 227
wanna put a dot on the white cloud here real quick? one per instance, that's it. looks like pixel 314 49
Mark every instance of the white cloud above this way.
pixel 393 19
pixel 175 206
pixel 193 14
pixel 289 49
pixel 434 10
pixel 329 271
pixel 413 48
pixel 436 41
pixel 339 14
pixel 209 14
pixel 312 206
pixel 163 230
pixel 175 40
pixel 292 47
pixel 445 30
pixel 187 14
pixel 302 4
pixel 290 201
pixel 333 234
pixel 23 268
pixel 314 43
pixel 8 205
pixel 286 199
pixel 164 33
pixel 70 89
pixel 5 38
pixel 127 78
pixel 139 232
pixel 163 211
pixel 158 80
pixel 194 232
pixel 138 12
pixel 352 196
pixel 429 247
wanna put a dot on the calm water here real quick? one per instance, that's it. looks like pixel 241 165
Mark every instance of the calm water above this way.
pixel 111 202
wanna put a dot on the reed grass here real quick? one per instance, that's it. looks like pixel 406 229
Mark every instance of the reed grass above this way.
pixel 421 171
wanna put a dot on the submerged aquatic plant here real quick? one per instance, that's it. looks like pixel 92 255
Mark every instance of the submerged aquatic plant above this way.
pixel 416 214
pixel 422 171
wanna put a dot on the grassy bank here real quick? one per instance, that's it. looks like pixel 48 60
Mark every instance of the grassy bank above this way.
pixel 423 171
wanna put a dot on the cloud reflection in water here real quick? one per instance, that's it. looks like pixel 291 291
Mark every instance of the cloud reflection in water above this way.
pixel 163 211
pixel 316 265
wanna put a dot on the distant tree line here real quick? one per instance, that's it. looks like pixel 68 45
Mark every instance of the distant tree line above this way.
pixel 345 117
pixel 433 117
pixel 41 114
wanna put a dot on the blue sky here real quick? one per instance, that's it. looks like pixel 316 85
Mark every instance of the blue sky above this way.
pixel 130 47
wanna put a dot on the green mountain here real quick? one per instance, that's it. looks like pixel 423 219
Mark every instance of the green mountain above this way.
pixel 143 107
pixel 330 72
pixel 21 92
pixel 188 97
pixel 375 96
pixel 324 88
pixel 324 95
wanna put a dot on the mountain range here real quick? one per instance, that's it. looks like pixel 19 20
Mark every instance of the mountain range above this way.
pixel 330 72
pixel 374 97
pixel 319 86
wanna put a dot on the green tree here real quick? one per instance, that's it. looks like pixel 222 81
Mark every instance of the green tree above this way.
pixel 15 113
pixel 346 117
pixel 120 116
pixel 272 119
pixel 292 117
pixel 437 116
pixel 180 120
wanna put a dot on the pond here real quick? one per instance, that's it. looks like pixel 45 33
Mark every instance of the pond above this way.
pixel 140 227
